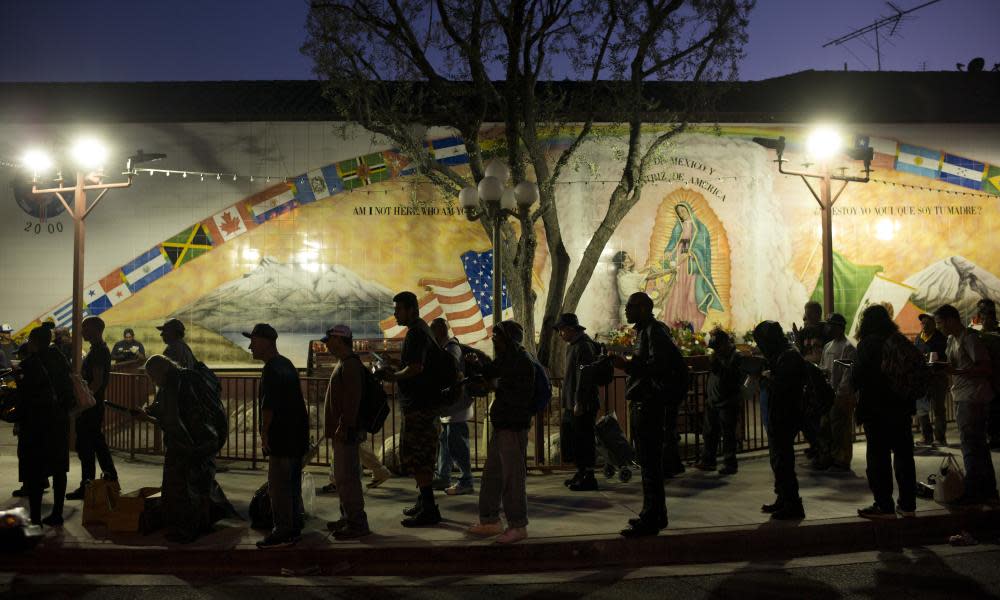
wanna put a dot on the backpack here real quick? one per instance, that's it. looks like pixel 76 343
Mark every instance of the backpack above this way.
pixel 374 407
pixel 819 394
pixel 442 372
pixel 209 390
pixel 599 373
pixel 543 386
pixel 905 367
pixel 456 392
pixel 992 342
pixel 475 384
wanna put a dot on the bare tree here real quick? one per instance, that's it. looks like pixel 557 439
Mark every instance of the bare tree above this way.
pixel 398 66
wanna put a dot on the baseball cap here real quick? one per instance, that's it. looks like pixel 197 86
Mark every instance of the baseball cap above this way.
pixel 6 328
pixel 262 330
pixel 337 331
pixel 172 325
pixel 923 316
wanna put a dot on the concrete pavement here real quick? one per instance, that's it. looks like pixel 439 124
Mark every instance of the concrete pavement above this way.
pixel 712 518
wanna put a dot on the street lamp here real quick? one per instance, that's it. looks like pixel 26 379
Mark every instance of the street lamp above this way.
pixel 493 201
pixel 822 145
pixel 89 156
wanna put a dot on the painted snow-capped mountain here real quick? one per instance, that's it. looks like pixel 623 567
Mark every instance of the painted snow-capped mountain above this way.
pixel 956 281
pixel 293 300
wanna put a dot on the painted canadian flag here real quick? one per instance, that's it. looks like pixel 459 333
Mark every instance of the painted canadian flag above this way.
pixel 230 223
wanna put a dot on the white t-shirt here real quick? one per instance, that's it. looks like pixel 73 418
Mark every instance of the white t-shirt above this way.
pixel 834 350
pixel 964 351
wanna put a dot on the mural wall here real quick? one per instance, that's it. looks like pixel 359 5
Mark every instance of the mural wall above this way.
pixel 719 237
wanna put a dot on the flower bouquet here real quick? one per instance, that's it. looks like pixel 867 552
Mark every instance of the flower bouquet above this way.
pixel 619 341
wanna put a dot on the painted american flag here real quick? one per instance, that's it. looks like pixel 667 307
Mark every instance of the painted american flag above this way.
pixel 466 302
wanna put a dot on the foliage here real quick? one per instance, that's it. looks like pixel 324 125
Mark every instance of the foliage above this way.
pixel 399 67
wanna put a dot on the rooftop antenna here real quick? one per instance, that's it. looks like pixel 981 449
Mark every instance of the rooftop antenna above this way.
pixel 882 23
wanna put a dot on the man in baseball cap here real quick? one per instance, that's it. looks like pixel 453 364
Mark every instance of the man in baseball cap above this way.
pixel 284 435
pixel 262 330
pixel 177 350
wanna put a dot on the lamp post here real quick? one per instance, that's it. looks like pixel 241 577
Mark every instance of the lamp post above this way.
pixel 823 144
pixel 493 201
pixel 89 156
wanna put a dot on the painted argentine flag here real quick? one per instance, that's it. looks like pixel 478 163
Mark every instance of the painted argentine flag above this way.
pixel 919 161
pixel 273 206
pixel 147 268
pixel 962 171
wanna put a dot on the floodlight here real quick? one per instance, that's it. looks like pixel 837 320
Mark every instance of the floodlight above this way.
pixel 824 143
pixel 89 153
pixel 37 160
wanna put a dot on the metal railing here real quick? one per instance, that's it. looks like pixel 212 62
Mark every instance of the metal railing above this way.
pixel 240 393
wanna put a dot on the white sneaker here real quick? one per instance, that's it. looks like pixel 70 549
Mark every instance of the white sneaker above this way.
pixel 513 535
pixel 485 529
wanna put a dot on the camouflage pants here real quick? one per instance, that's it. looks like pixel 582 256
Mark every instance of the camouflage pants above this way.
pixel 418 445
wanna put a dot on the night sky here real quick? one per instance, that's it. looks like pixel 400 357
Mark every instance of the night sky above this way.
pixel 143 40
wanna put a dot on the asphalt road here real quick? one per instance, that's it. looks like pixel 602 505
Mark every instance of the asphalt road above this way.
pixel 919 573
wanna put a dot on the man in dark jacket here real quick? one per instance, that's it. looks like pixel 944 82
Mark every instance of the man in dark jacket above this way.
pixel 503 479
pixel 784 380
pixel 579 403
pixel 42 442
pixel 657 379
pixel 183 409
pixel 886 417
pixel 930 342
pixel 722 408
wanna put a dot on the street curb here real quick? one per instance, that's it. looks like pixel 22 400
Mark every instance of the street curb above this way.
pixel 767 541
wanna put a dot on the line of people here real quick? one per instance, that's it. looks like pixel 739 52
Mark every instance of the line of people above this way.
pixel 865 383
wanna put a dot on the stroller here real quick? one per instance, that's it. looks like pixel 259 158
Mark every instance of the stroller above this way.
pixel 618 454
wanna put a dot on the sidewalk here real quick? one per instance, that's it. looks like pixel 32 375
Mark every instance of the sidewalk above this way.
pixel 712 518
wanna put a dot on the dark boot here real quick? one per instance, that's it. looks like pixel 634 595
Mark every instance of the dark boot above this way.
pixel 790 511
pixel 427 516
pixel 586 483
pixel 773 507
pixel 413 510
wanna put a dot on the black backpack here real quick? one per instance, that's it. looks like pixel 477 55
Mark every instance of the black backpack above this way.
pixel 819 394
pixel 374 407
pixel 209 389
pixel 442 374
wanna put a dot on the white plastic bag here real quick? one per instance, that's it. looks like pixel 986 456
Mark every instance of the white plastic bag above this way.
pixel 308 494
pixel 949 484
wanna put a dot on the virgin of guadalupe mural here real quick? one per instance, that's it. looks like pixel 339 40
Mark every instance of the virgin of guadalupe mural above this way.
pixel 681 281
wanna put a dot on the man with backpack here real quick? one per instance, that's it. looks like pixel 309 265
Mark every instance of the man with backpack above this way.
pixel 579 404
pixel 971 391
pixel 343 401
pixel 657 383
pixel 885 409
pixel 505 473
pixel 420 400
pixel 187 412
pixel 454 440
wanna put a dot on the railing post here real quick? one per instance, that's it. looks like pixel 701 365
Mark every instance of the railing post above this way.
pixel 253 430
